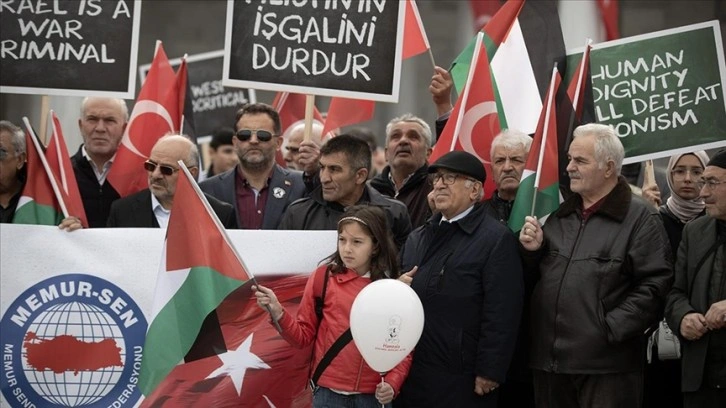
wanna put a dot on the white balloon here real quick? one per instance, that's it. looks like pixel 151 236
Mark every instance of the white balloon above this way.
pixel 386 321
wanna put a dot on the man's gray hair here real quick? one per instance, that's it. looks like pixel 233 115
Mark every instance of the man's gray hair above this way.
pixel 18 137
pixel 120 102
pixel 480 194
pixel 192 159
pixel 409 117
pixel 607 144
pixel 511 139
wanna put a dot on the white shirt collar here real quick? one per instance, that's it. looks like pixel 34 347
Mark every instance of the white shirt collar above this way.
pixel 162 214
pixel 458 216
pixel 100 173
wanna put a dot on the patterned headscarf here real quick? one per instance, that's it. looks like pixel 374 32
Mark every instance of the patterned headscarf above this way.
pixel 685 210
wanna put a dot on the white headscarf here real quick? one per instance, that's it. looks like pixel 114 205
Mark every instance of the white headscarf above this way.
pixel 685 210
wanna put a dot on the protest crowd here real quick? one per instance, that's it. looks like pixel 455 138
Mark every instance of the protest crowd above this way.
pixel 600 294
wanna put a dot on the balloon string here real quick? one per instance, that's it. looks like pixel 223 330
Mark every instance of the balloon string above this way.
pixel 382 382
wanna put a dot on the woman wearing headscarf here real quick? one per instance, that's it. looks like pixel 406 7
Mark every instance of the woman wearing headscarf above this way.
pixel 663 377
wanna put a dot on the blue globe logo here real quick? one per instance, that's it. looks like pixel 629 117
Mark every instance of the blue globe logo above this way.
pixel 56 352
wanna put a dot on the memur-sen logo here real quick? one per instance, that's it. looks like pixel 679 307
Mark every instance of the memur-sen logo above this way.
pixel 72 341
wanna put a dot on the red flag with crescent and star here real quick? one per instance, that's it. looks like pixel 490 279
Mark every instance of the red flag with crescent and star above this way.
pixel 155 114
pixel 474 121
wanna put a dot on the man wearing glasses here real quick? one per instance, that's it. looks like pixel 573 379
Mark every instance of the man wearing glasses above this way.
pixel 258 188
pixel 603 265
pixel 151 208
pixel 469 280
pixel 696 306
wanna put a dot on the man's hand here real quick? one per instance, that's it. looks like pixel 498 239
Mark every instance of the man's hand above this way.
pixel 440 88
pixel 651 194
pixel 309 155
pixel 70 224
pixel 484 385
pixel 716 316
pixel 693 326
pixel 407 277
pixel 384 393
pixel 531 235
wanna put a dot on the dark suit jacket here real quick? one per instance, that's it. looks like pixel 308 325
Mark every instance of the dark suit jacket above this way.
pixel 689 294
pixel 285 187
pixel 135 211
pixel 97 199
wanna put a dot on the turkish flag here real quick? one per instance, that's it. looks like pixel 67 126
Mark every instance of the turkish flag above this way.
pixel 155 114
pixel 257 369
pixel 474 121
pixel 346 112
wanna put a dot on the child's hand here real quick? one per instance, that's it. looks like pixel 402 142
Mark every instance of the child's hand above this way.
pixel 384 393
pixel 266 297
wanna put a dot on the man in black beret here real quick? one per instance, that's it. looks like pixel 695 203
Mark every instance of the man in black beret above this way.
pixel 465 267
pixel 696 305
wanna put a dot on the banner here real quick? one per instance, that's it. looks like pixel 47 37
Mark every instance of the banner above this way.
pixel 73 315
pixel 663 92
pixel 350 49
pixel 60 47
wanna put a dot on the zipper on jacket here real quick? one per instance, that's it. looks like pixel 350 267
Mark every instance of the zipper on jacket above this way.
pixel 553 359
pixel 440 284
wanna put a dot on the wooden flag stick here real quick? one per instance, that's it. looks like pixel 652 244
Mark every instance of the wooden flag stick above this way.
pixel 44 108
pixel 309 108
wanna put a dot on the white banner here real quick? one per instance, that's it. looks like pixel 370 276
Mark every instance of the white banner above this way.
pixel 64 294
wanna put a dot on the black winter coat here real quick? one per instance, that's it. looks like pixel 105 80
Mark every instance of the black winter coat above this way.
pixel 414 193
pixel 97 198
pixel 470 283
pixel 602 283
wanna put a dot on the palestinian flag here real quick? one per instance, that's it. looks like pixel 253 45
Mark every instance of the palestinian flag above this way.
pixel 60 164
pixel 40 202
pixel 538 192
pixel 256 368
pixel 200 268
pixel 523 40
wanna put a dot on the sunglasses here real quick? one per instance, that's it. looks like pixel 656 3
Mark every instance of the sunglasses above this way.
pixel 166 170
pixel 246 134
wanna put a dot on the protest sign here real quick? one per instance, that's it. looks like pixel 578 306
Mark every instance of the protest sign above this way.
pixel 345 48
pixel 77 48
pixel 90 294
pixel 214 104
pixel 663 92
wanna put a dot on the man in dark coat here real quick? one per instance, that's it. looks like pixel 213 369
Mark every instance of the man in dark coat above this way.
pixel 604 268
pixel 469 279
pixel 696 308
pixel 102 124
pixel 12 169
pixel 344 165
pixel 258 188
pixel 151 207
pixel 405 178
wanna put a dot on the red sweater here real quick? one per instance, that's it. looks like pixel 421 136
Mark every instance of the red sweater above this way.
pixel 348 371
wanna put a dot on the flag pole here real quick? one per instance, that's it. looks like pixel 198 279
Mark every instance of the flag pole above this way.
pixel 465 96
pixel 543 142
pixel 181 119
pixel 46 166
pixel 309 110
pixel 431 57
pixel 221 229
pixel 576 99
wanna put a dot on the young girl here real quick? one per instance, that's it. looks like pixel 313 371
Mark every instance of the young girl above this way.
pixel 366 252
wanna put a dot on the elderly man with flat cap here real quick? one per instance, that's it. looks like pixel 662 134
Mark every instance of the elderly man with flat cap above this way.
pixel 696 306
pixel 465 267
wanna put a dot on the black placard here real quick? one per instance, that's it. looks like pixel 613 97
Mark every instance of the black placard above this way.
pixel 69 47
pixel 333 48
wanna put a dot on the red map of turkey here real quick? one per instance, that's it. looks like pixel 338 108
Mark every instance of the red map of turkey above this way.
pixel 66 353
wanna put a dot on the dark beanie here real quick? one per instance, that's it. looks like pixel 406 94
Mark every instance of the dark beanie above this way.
pixel 718 160
pixel 460 162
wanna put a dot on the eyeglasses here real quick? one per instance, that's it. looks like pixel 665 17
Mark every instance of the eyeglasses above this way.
pixel 711 183
pixel 679 173
pixel 447 178
pixel 165 169
pixel 246 134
